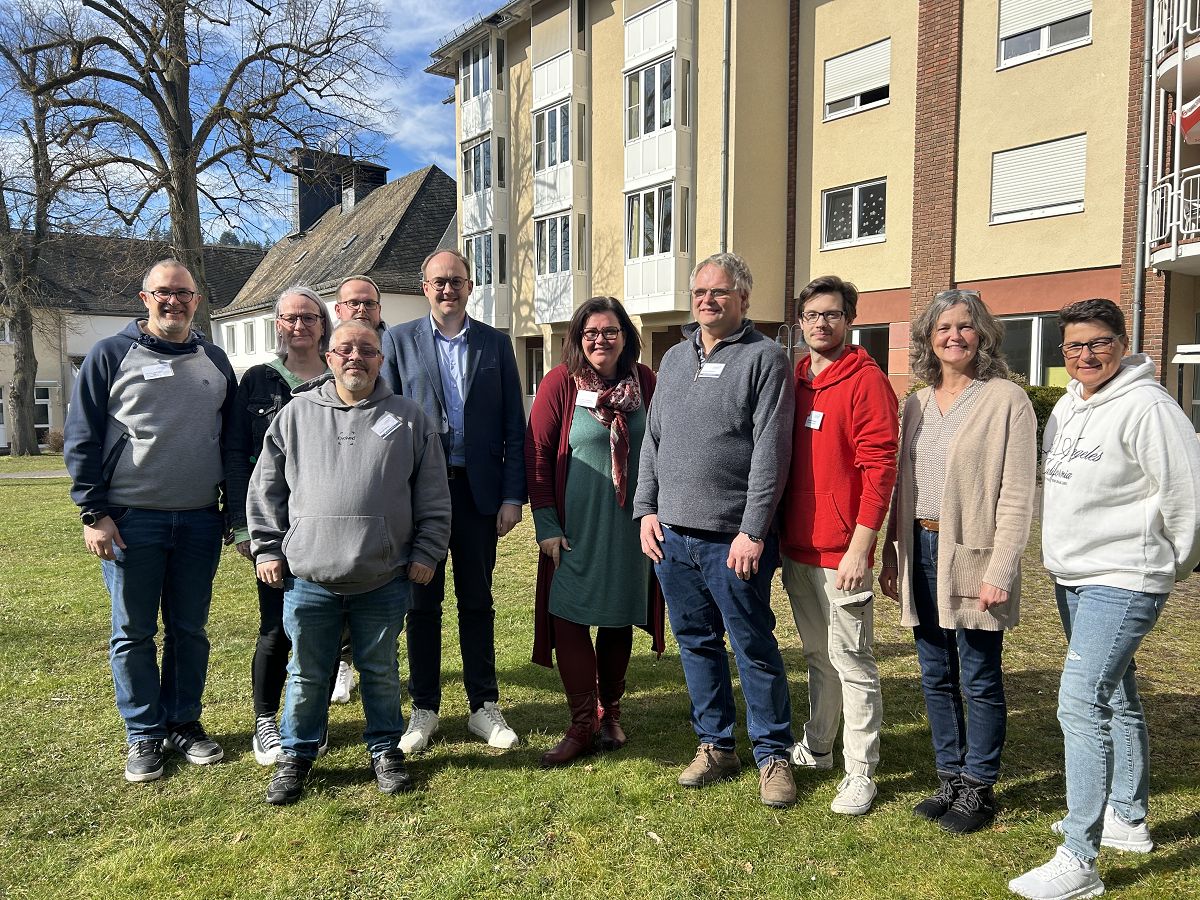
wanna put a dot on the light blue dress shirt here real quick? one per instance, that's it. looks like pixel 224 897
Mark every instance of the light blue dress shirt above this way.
pixel 452 366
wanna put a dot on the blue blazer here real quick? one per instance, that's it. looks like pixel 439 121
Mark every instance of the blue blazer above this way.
pixel 493 414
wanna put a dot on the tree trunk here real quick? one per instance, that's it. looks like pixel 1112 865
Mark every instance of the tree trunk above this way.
pixel 22 436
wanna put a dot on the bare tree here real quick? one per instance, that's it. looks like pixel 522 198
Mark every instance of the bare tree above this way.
pixel 208 97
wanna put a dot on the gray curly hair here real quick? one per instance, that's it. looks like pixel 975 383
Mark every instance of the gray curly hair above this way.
pixel 989 359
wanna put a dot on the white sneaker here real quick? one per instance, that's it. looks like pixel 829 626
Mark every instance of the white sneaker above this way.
pixel 343 684
pixel 488 722
pixel 422 726
pixel 1063 878
pixel 806 759
pixel 265 742
pixel 855 795
pixel 1119 834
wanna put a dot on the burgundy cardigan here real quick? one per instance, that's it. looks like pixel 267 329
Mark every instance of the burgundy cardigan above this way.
pixel 547 454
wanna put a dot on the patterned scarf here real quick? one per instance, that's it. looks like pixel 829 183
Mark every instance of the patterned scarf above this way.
pixel 612 405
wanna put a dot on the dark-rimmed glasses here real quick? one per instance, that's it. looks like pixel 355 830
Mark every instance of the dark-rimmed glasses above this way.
pixel 610 334
pixel 1097 347
pixel 306 319
pixel 364 352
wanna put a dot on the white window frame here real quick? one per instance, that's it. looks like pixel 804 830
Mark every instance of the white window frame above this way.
pixel 555 136
pixel 635 215
pixel 1061 208
pixel 248 337
pixel 478 251
pixel 477 167
pixel 855 240
pixel 5 332
pixel 1041 321
pixel 475 68
pixel 1044 48
pixel 857 103
pixel 653 71
pixel 270 335
pixel 44 402
pixel 856 336
pixel 231 340
pixel 552 243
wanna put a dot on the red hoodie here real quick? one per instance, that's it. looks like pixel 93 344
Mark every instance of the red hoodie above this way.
pixel 843 458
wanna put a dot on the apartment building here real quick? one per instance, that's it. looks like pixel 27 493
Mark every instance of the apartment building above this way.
pixel 908 147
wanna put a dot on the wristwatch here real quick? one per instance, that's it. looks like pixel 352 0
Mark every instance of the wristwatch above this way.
pixel 754 537
pixel 90 517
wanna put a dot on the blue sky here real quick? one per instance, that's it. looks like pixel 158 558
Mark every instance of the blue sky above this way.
pixel 423 129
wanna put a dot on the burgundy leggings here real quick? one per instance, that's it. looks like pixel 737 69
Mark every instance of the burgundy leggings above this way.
pixel 582 667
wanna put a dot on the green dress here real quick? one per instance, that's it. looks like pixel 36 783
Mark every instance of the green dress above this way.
pixel 604 578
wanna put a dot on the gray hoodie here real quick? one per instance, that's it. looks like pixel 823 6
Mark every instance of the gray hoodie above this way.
pixel 349 495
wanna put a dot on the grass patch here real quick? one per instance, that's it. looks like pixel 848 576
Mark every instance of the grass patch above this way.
pixel 19 465
pixel 488 823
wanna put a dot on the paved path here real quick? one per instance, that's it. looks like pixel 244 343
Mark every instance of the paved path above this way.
pixel 60 473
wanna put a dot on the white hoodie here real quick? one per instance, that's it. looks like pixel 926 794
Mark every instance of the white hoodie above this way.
pixel 1121 497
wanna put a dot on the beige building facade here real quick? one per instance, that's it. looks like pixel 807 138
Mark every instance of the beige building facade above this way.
pixel 907 147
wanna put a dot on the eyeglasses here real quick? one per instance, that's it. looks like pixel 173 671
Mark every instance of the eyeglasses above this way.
pixel 610 334
pixel 364 352
pixel 715 293
pixel 307 319
pixel 440 284
pixel 1097 347
pixel 360 304
pixel 833 315
pixel 183 296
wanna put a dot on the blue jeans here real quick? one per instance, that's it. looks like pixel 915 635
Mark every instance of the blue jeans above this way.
pixel 705 599
pixel 168 564
pixel 955 662
pixel 1104 726
pixel 312 618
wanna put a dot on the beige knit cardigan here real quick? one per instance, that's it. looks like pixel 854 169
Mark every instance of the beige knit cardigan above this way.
pixel 987 502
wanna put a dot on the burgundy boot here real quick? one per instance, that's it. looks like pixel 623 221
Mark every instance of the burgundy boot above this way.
pixel 612 736
pixel 580 738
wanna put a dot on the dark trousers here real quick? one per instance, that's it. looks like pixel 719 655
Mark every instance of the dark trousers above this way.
pixel 473 549
pixel 584 667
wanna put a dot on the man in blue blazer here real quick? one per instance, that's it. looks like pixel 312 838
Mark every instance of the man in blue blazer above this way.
pixel 463 374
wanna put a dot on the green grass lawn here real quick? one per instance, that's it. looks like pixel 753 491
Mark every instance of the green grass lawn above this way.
pixel 485 823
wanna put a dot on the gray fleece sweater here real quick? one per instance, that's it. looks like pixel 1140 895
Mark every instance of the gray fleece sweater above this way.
pixel 717 449
pixel 349 495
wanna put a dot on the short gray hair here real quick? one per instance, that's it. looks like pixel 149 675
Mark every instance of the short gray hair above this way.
pixel 733 266
pixel 307 293
pixel 989 359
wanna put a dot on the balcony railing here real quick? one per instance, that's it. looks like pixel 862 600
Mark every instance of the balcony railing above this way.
pixel 1169 16
pixel 1175 214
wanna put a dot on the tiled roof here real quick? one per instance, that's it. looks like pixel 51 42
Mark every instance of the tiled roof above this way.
pixel 386 236
pixel 102 275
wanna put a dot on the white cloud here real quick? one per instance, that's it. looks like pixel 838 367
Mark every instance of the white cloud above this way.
pixel 417 26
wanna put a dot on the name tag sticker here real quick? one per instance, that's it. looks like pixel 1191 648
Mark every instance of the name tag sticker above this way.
pixel 587 399
pixel 160 369
pixel 712 370
pixel 386 425
pixel 814 420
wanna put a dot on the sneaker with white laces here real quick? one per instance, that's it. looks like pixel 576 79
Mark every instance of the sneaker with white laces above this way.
pixel 807 759
pixel 488 723
pixel 855 795
pixel 422 726
pixel 190 739
pixel 1065 877
pixel 1119 834
pixel 266 742
pixel 343 684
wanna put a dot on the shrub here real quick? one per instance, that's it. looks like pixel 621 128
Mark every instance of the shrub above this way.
pixel 1043 398
pixel 54 441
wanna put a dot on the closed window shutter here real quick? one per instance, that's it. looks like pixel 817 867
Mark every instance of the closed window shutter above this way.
pixel 1017 16
pixel 858 71
pixel 1038 176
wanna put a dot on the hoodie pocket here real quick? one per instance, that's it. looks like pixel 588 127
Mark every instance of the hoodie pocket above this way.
pixel 968 565
pixel 109 465
pixel 332 550
pixel 819 516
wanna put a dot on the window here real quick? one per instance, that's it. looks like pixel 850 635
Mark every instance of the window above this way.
pixel 580 139
pixel 685 92
pixel 499 64
pixel 1031 29
pixel 231 340
pixel 552 241
pixel 854 215
pixel 649 222
pixel 551 137
pixel 649 99
pixel 858 80
pixel 500 162
pixel 41 414
pixel 501 259
pixel 535 363
pixel 1039 180
pixel 477 168
pixel 270 336
pixel 685 217
pixel 5 332
pixel 476 70
pixel 1030 347
pixel 479 256
pixel 248 331
pixel 874 339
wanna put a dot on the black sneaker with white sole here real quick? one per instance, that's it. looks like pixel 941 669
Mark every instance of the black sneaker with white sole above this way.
pixel 144 761
pixel 190 739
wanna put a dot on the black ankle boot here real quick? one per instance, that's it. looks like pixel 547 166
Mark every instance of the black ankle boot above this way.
pixel 973 808
pixel 938 804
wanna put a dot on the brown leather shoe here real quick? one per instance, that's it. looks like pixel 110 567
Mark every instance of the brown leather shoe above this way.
pixel 612 735
pixel 580 738
pixel 776 787
pixel 710 765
